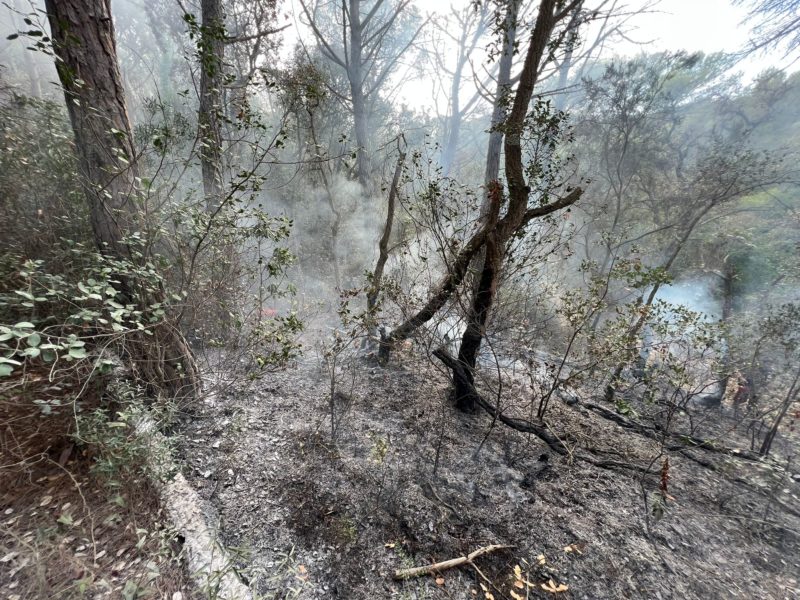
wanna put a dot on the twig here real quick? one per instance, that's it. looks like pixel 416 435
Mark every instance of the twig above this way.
pixel 439 499
pixel 448 564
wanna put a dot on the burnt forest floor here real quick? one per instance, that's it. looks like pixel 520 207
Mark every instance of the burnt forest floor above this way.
pixel 408 481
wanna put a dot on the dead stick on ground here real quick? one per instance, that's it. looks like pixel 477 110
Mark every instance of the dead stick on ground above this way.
pixel 448 564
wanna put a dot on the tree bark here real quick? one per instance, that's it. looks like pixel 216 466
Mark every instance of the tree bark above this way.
pixel 502 92
pixel 791 396
pixel 356 80
pixel 85 46
pixel 383 243
pixel 212 55
pixel 517 215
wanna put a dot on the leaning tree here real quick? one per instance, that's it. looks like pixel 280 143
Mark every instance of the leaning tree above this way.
pixel 531 190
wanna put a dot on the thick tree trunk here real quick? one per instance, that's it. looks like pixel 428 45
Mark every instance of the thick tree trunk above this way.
pixel 83 39
pixel 356 80
pixel 212 55
pixel 84 43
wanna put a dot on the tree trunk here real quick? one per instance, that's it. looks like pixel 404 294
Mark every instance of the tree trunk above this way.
pixel 212 54
pixel 517 216
pixel 791 396
pixel 383 244
pixel 515 219
pixel 633 332
pixel 477 317
pixel 84 43
pixel 355 78
pixel 501 94
pixel 454 123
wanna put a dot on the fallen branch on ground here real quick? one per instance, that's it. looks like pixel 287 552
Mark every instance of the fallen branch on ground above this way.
pixel 518 424
pixel 524 426
pixel 657 433
pixel 448 564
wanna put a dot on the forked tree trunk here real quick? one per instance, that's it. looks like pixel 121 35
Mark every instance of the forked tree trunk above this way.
pixel 488 261
pixel 85 48
pixel 517 216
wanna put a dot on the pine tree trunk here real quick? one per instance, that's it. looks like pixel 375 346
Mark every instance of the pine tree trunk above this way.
pixel 212 49
pixel 84 44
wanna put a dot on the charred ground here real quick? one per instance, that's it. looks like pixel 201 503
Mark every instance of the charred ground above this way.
pixel 409 481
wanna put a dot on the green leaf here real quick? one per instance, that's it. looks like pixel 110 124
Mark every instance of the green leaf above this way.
pixel 6 370
pixel 77 352
pixel 34 340
pixel 32 352
pixel 24 325
pixel 24 294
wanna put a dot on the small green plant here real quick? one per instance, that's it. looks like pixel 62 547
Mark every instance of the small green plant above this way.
pixel 380 447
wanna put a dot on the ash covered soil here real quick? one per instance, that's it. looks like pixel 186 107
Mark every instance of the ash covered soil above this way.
pixel 409 481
